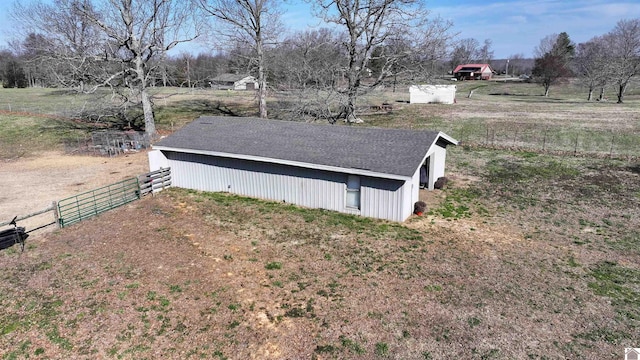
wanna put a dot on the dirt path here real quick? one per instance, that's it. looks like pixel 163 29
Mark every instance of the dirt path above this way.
pixel 31 184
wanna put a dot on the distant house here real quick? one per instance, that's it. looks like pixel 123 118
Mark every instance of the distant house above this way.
pixel 473 72
pixel 364 171
pixel 432 94
pixel 234 82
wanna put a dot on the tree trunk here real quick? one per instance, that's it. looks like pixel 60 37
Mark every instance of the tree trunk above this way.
pixel 262 92
pixel 621 89
pixel 590 97
pixel 262 81
pixel 395 80
pixel 350 109
pixel 601 94
pixel 147 109
pixel 546 90
pixel 352 90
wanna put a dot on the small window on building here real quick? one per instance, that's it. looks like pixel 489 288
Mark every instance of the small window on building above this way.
pixel 353 191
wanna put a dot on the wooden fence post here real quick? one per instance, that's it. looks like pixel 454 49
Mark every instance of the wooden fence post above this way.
pixel 56 214
pixel 613 139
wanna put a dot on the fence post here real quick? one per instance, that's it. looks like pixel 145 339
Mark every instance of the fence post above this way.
pixel 56 213
pixel 613 139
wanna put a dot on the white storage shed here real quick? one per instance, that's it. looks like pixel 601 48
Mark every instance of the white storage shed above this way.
pixel 366 171
pixel 432 94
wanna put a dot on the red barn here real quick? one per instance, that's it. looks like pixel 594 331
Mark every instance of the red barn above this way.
pixel 473 72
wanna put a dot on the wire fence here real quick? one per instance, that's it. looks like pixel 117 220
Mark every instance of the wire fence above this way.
pixel 60 110
pixel 553 139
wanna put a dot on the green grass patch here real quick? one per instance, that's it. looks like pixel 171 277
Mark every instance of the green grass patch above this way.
pixel 382 349
pixel 629 242
pixel 22 135
pixel 321 218
pixel 274 265
pixel 528 169
pixel 352 345
pixel 459 203
pixel 622 286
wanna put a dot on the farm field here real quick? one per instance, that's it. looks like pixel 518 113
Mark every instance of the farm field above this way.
pixel 530 253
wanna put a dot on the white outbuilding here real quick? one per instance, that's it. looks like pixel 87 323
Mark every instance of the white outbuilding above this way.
pixel 366 171
pixel 432 94
pixel 234 82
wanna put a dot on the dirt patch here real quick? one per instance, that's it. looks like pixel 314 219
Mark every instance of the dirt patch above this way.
pixel 31 184
pixel 212 275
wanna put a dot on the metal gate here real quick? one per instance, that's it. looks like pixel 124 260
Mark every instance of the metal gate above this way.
pixel 97 201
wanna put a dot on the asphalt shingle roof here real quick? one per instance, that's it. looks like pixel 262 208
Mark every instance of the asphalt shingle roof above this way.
pixel 229 77
pixel 386 151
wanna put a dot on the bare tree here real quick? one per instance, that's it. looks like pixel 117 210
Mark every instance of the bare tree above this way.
pixel 114 43
pixel 592 65
pixel 35 52
pixel 62 44
pixel 516 64
pixel 307 59
pixel 139 32
pixel 484 54
pixel 368 25
pixel 464 52
pixel 413 56
pixel 252 22
pixel 11 71
pixel 553 56
pixel 431 48
pixel 624 53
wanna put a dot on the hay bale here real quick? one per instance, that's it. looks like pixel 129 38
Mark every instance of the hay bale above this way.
pixel 441 183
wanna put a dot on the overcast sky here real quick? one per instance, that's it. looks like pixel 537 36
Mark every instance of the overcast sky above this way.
pixel 514 27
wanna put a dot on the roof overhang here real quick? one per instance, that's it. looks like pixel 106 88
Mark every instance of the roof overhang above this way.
pixel 442 137
pixel 352 171
pixel 447 138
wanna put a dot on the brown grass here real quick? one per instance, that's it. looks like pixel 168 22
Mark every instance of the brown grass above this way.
pixel 522 256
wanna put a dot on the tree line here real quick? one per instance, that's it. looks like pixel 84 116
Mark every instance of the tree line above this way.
pixel 609 60
pixel 125 46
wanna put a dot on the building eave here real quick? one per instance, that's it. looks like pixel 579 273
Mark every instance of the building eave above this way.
pixel 446 137
pixel 353 171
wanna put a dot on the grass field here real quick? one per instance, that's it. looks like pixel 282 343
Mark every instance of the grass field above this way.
pixel 530 255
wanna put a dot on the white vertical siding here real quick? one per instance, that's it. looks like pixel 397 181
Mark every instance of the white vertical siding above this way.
pixel 427 94
pixel 306 187
pixel 383 198
pixel 436 165
pixel 380 198
pixel 414 193
pixel 157 160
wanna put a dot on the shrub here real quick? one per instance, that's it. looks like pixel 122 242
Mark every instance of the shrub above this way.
pixel 419 207
pixel 441 183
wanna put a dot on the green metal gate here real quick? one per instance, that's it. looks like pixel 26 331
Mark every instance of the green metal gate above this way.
pixel 94 202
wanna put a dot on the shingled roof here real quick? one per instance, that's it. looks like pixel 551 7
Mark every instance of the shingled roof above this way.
pixel 391 153
pixel 229 77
